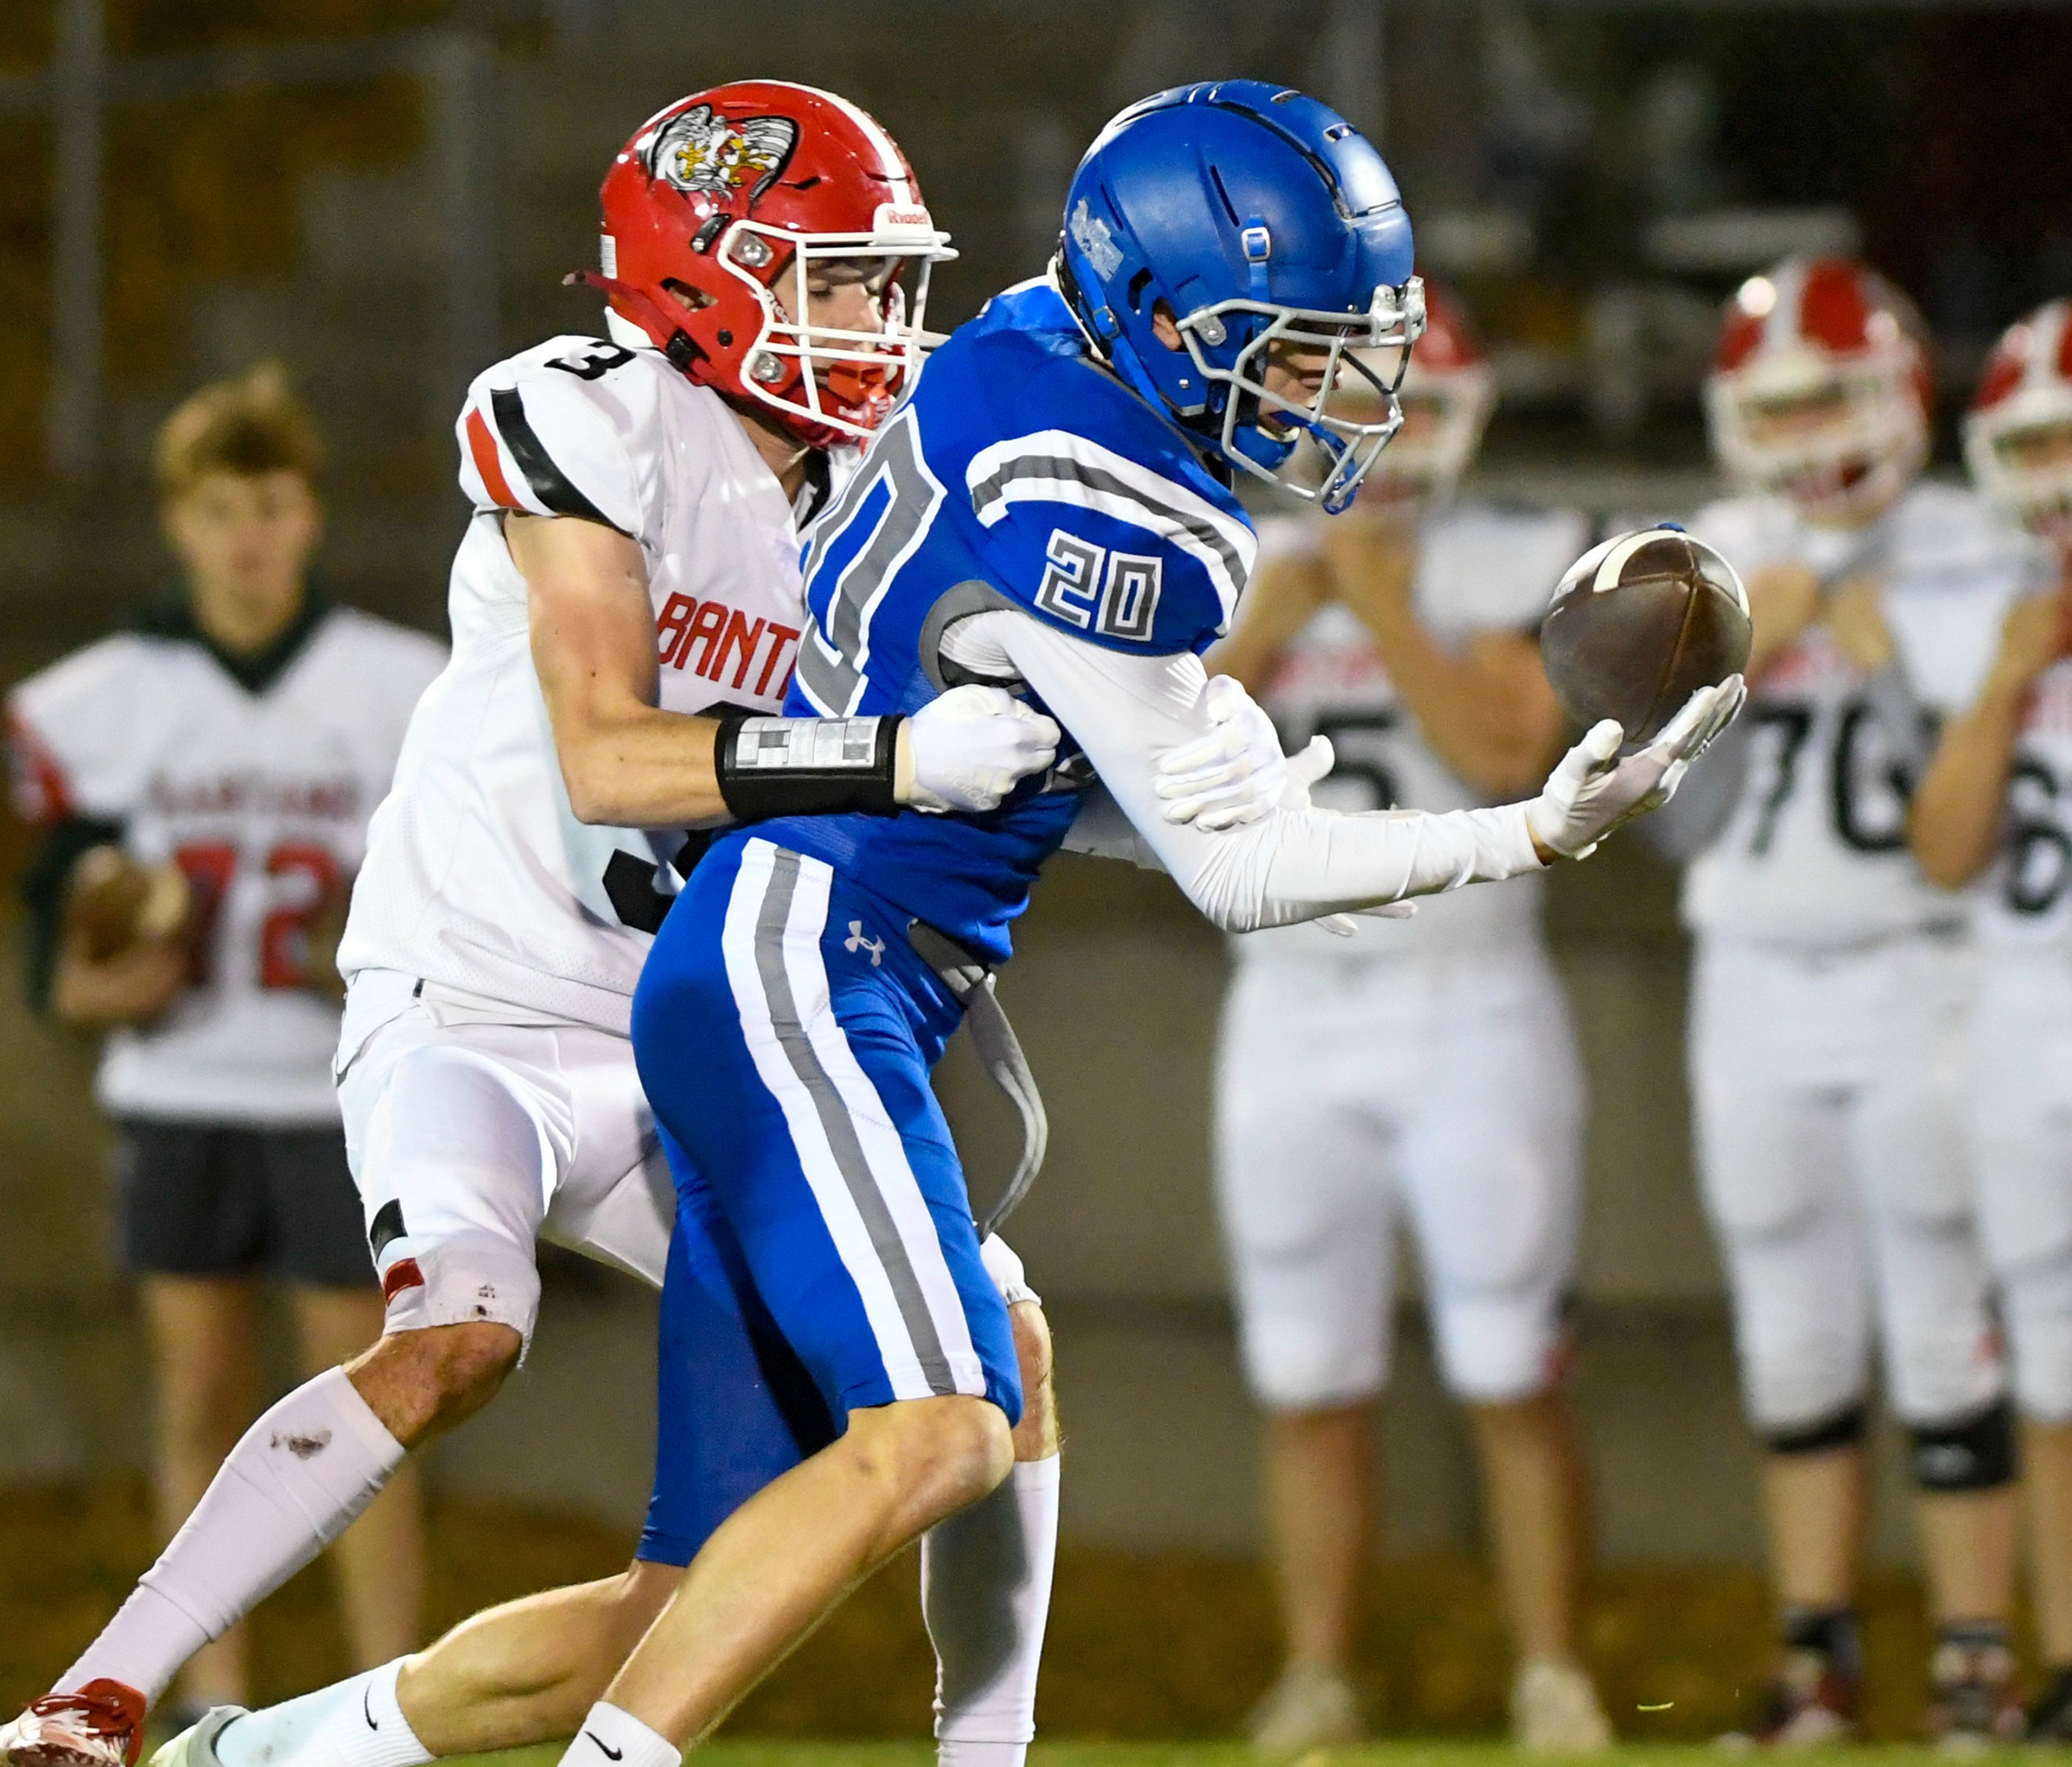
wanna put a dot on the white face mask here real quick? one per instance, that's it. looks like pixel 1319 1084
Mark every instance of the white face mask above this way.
pixel 2019 452
pixel 1839 435
pixel 845 376
pixel 1369 353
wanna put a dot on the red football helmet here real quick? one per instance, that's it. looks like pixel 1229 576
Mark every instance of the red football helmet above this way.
pixel 1820 391
pixel 1447 394
pixel 2018 434
pixel 730 196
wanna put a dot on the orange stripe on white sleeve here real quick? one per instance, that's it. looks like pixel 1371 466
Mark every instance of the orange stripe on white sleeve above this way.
pixel 482 445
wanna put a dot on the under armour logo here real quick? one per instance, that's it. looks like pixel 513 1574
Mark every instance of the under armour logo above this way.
pixel 859 940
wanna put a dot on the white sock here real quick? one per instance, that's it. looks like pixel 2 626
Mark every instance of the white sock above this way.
pixel 985 1592
pixel 289 1488
pixel 612 1738
pixel 354 1722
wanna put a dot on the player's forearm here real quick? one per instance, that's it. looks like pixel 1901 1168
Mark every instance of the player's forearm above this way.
pixel 641 768
pixel 1126 711
pixel 1297 867
pixel 648 769
pixel 132 989
pixel 1282 597
pixel 1953 822
pixel 1487 724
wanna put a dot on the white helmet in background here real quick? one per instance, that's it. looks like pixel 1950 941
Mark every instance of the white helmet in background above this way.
pixel 1820 390
pixel 2018 433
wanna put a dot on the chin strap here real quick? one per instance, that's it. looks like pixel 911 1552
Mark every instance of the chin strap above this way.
pixel 648 313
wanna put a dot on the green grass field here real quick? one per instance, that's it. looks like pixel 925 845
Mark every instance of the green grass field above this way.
pixel 1397 1754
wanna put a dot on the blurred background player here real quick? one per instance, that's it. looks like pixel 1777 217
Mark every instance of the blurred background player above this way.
pixel 203 781
pixel 1999 794
pixel 1423 1069
pixel 1827 1008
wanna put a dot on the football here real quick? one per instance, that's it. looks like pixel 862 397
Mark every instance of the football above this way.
pixel 1638 624
pixel 113 902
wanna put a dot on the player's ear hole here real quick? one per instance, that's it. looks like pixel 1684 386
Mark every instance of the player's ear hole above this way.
pixel 689 298
pixel 1138 284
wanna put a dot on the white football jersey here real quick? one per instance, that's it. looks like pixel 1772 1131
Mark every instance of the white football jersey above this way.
pixel 478 877
pixel 262 798
pixel 2027 902
pixel 1480 568
pixel 1814 850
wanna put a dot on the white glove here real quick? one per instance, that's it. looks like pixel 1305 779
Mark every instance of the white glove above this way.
pixel 1232 776
pixel 966 750
pixel 1309 768
pixel 1593 792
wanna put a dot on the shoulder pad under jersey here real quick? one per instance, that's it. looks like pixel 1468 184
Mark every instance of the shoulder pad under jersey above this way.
pixel 1091 512
pixel 78 731
pixel 571 427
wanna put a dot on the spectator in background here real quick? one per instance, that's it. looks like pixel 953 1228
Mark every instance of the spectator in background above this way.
pixel 203 782
pixel 1423 1071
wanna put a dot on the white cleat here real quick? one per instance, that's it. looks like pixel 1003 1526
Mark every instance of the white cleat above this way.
pixel 195 1746
pixel 1554 1710
pixel 1310 1707
pixel 101 1725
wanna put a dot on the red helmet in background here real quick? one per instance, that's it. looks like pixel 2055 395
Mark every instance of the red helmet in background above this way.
pixel 1820 391
pixel 1448 392
pixel 2018 433
pixel 730 197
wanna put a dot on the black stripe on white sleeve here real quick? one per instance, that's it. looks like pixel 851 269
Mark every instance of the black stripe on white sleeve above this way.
pixel 546 481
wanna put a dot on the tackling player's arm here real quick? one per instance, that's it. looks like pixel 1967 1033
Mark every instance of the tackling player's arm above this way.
pixel 627 763
pixel 1486 708
pixel 1953 824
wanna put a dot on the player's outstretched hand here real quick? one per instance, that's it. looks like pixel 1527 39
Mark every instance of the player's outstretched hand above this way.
pixel 972 746
pixel 1233 776
pixel 1593 792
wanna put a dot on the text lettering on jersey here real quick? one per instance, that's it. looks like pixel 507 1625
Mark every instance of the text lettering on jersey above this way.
pixel 703 637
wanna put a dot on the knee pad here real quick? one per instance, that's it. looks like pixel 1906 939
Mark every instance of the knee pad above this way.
pixel 1499 1348
pixel 456 1278
pixel 1294 1364
pixel 1974 1453
pixel 1839 1429
pixel 1003 1263
pixel 2036 1300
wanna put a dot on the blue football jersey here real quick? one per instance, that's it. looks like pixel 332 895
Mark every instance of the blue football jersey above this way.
pixel 1018 474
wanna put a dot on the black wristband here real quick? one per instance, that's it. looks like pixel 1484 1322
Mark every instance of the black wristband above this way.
pixel 772 767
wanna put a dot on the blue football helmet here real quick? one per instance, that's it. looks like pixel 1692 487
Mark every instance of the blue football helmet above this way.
pixel 1260 218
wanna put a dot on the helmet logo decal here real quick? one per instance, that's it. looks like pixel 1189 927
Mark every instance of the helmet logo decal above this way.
pixel 701 150
pixel 1091 234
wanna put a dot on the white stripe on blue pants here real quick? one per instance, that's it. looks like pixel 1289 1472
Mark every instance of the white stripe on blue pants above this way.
pixel 785 1029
